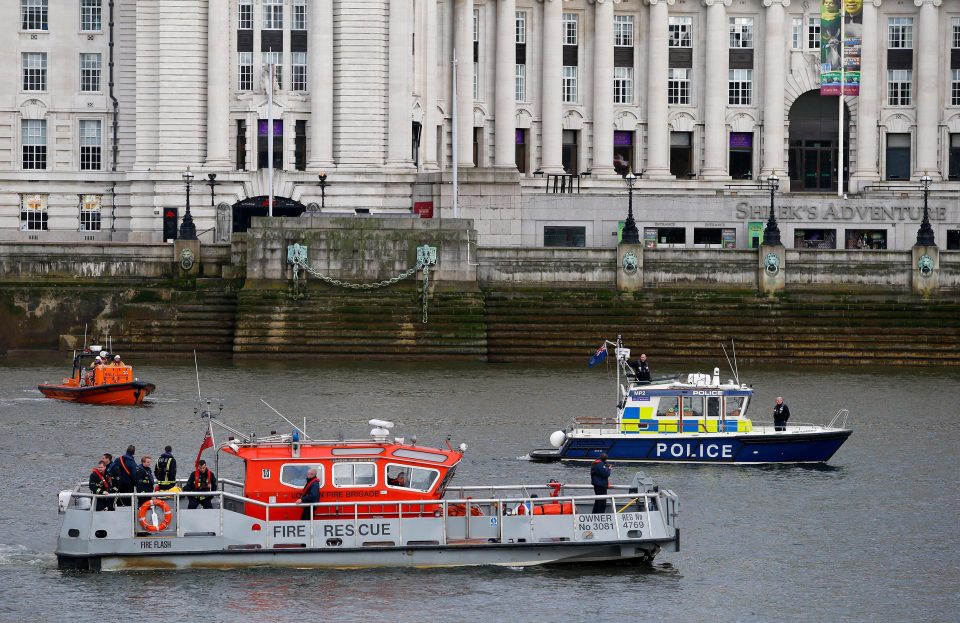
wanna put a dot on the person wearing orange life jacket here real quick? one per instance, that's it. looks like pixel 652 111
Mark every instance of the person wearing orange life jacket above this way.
pixel 123 473
pixel 201 480
pixel 100 485
pixel 310 494
pixel 600 479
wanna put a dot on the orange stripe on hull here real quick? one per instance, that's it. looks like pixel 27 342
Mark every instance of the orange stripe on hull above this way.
pixel 124 394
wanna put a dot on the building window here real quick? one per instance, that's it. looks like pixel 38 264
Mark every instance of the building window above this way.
pixel 795 37
pixel 521 17
pixel 91 15
pixel 955 39
pixel 90 212
pixel 955 87
pixel 813 33
pixel 678 86
pixel 898 156
pixel 33 15
pixel 623 85
pixel 263 144
pixel 623 30
pixel 622 151
pixel 33 213
pixel 900 32
pixel 299 15
pixel 899 83
pixel 520 153
pixel 90 73
pixel 570 23
pixel 741 87
pixel 245 15
pixel 741 32
pixel 570 84
pixel 476 81
pixel 520 83
pixel 245 71
pixel 570 152
pixel 953 165
pixel 298 76
pixel 564 236
pixel 241 146
pixel 34 140
pixel 681 32
pixel 300 145
pixel 90 148
pixel 275 59
pixel 741 155
pixel 34 71
pixel 273 14
pixel 681 155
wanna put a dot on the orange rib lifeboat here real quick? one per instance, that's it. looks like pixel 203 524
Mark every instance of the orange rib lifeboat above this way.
pixel 109 384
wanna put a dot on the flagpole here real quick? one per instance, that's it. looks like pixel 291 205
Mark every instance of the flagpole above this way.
pixel 454 121
pixel 270 141
pixel 840 106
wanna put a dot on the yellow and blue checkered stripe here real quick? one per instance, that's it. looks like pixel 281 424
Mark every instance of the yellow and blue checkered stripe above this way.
pixel 639 420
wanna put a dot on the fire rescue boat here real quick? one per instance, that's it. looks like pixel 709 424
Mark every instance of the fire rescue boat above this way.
pixel 108 384
pixel 383 503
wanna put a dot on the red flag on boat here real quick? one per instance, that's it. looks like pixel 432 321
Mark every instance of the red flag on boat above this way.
pixel 207 443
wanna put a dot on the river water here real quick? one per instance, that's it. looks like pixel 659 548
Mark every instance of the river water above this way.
pixel 871 537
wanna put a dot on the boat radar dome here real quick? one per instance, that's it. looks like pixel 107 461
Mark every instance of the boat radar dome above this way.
pixel 557 438
pixel 381 428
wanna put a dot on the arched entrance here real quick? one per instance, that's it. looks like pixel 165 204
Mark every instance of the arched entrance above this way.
pixel 815 141
pixel 245 209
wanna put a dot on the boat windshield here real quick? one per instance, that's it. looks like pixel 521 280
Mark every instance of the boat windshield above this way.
pixel 735 406
pixel 406 477
pixel 295 474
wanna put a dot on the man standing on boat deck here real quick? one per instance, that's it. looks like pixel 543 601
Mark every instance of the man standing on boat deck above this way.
pixel 641 368
pixel 146 483
pixel 166 470
pixel 600 479
pixel 781 413
pixel 201 480
pixel 100 485
pixel 123 471
pixel 310 495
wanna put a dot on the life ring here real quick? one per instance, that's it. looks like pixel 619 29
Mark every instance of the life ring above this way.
pixel 164 523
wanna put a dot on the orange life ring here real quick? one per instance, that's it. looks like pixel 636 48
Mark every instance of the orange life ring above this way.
pixel 164 523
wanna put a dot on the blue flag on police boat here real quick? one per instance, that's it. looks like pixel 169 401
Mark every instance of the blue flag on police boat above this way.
pixel 598 356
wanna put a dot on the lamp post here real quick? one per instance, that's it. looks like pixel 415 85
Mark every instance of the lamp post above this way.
pixel 323 189
pixel 188 231
pixel 925 233
pixel 771 234
pixel 630 233
pixel 211 182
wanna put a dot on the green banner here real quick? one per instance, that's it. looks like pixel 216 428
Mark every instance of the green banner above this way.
pixel 841 40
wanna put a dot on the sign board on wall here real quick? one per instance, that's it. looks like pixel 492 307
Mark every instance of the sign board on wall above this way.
pixel 423 208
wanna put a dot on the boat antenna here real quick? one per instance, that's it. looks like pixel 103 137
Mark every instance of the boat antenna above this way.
pixel 736 365
pixel 732 364
pixel 196 368
pixel 84 336
pixel 283 416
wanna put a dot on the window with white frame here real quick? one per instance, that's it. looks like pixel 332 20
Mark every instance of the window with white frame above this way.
pixel 955 39
pixel 476 81
pixel 741 32
pixel 33 138
pixel 33 212
pixel 795 40
pixel 91 15
pixel 571 21
pixel 680 31
pixel 298 76
pixel 570 84
pixel 33 15
pixel 955 87
pixel 813 33
pixel 623 85
pixel 275 59
pixel 741 87
pixel 521 26
pixel 900 32
pixel 245 15
pixel 34 71
pixel 678 86
pixel 299 15
pixel 273 14
pixel 476 25
pixel 899 87
pixel 90 149
pixel 90 212
pixel 520 83
pixel 623 30
pixel 245 71
pixel 90 72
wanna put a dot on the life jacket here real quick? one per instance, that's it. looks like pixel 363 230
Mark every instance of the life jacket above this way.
pixel 104 481
pixel 199 479
pixel 307 486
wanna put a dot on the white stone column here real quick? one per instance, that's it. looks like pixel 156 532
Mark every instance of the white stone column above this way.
pixel 928 88
pixel 658 130
pixel 320 61
pixel 463 46
pixel 433 75
pixel 774 75
pixel 551 95
pixel 603 88
pixel 400 81
pixel 715 91
pixel 868 102
pixel 505 111
pixel 218 85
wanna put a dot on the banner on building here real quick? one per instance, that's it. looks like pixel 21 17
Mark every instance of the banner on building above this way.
pixel 840 46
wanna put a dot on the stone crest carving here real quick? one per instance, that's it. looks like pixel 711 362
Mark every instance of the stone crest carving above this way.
pixel 771 264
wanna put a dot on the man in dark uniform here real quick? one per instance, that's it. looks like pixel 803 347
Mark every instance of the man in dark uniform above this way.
pixel 600 479
pixel 123 473
pixel 641 368
pixel 146 483
pixel 781 413
pixel 166 470
pixel 310 494
pixel 201 480
pixel 100 485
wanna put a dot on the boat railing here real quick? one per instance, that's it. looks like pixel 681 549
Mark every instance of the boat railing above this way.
pixel 840 419
pixel 599 425
pixel 794 427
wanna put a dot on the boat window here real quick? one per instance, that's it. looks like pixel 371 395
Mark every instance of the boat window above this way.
pixel 405 477
pixel 693 406
pixel 354 475
pixel 734 406
pixel 667 406
pixel 295 474
pixel 713 407
pixel 419 454
pixel 355 451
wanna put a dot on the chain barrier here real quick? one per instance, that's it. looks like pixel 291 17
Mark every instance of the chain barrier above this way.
pixel 426 257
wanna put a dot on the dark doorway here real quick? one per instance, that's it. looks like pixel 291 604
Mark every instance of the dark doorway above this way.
pixel 681 155
pixel 569 151
pixel 815 143
pixel 246 209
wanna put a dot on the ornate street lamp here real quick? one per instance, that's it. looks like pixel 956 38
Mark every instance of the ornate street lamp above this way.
pixel 188 231
pixel 630 233
pixel 771 234
pixel 925 233
pixel 323 189
pixel 211 182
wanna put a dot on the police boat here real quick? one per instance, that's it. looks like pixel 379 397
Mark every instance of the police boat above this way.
pixel 383 502
pixel 111 383
pixel 694 418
